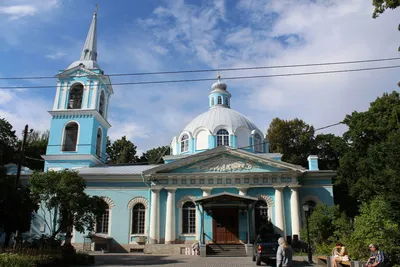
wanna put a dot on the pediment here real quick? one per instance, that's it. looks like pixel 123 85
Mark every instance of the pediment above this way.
pixel 226 163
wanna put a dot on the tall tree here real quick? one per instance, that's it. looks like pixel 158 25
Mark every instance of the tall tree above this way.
pixel 121 151
pixel 64 192
pixel 154 155
pixel 16 206
pixel 370 166
pixel 329 149
pixel 382 5
pixel 293 138
pixel 36 144
pixel 8 142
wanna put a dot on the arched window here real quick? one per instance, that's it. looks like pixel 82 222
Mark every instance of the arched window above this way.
pixel 258 143
pixel 102 104
pixel 212 101
pixel 103 222
pixel 219 100
pixel 70 137
pixel 188 218
pixel 185 143
pixel 226 101
pixel 138 219
pixel 98 143
pixel 261 215
pixel 222 138
pixel 75 97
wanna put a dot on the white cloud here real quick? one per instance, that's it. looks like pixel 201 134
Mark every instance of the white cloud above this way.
pixel 16 12
pixel 56 55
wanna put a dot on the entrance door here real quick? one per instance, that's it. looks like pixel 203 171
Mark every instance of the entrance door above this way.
pixel 225 226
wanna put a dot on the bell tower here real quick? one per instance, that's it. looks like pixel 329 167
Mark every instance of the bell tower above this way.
pixel 79 125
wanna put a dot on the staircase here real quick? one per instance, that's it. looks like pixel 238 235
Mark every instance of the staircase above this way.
pixel 226 250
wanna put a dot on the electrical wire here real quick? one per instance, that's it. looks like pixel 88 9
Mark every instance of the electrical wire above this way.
pixel 215 70
pixel 213 79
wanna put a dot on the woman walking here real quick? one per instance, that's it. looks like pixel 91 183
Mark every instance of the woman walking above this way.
pixel 284 255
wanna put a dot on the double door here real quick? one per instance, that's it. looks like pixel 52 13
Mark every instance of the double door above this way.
pixel 225 225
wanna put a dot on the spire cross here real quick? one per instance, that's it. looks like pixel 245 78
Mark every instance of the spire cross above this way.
pixel 97 8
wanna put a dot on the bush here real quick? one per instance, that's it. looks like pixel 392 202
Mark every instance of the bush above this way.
pixel 15 260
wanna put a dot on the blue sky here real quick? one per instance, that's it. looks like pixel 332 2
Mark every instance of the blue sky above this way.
pixel 40 37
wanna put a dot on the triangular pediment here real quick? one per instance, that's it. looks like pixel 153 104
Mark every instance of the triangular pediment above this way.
pixel 225 160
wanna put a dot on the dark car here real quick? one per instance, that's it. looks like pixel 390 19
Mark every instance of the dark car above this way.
pixel 265 248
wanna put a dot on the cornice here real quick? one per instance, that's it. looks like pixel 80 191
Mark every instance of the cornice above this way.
pixel 71 157
pixel 80 113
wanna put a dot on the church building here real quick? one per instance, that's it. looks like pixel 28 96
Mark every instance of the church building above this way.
pixel 219 185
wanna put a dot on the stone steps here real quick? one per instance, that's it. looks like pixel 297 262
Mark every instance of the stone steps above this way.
pixel 224 250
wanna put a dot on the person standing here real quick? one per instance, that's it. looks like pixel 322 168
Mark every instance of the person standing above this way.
pixel 284 255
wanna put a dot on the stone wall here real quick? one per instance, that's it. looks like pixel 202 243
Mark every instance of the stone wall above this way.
pixel 162 249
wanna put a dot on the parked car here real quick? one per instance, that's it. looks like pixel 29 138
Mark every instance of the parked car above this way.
pixel 265 248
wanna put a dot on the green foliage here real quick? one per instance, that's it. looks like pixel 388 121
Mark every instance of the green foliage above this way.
pixel 154 155
pixel 8 142
pixel 382 5
pixel 293 138
pixel 329 149
pixel 374 225
pixel 64 191
pixel 121 151
pixel 36 144
pixel 16 260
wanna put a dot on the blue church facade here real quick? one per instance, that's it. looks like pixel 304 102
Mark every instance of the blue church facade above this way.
pixel 219 185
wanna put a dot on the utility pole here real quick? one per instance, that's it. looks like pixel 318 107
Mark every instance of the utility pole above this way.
pixel 21 157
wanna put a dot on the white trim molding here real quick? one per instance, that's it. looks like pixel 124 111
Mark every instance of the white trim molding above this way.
pixel 109 202
pixel 137 200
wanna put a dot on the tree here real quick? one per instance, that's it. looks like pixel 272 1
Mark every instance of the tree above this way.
pixel 382 5
pixel 16 206
pixel 369 167
pixel 8 142
pixel 154 155
pixel 36 144
pixel 121 151
pixel 63 193
pixel 329 149
pixel 293 138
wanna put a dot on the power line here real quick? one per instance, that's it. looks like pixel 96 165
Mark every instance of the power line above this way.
pixel 329 126
pixel 213 79
pixel 216 70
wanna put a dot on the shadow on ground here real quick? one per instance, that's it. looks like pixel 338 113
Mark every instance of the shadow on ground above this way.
pixel 132 260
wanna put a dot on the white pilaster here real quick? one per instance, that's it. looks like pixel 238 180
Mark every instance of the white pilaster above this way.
pixel 206 191
pixel 279 208
pixel 170 217
pixel 56 99
pixel 107 105
pixel 295 210
pixel 93 104
pixel 243 191
pixel 154 217
pixel 86 91
pixel 64 95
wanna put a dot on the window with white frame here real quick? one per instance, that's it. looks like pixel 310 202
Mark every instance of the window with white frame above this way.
pixel 258 143
pixel 261 214
pixel 138 219
pixel 222 138
pixel 219 100
pixel 185 143
pixel 103 222
pixel 212 101
pixel 70 137
pixel 188 218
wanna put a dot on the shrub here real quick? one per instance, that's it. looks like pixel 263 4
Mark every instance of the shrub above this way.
pixel 15 260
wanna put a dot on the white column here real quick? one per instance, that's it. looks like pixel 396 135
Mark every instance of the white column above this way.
pixel 56 99
pixel 170 217
pixel 243 191
pixel 107 105
pixel 206 191
pixel 295 210
pixel 154 236
pixel 93 104
pixel 279 217
pixel 64 95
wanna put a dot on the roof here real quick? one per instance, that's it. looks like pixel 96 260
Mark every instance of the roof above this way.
pixel 220 116
pixel 115 170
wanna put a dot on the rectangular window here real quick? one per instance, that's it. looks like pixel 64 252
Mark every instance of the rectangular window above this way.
pixel 138 222
pixel 102 223
pixel 189 221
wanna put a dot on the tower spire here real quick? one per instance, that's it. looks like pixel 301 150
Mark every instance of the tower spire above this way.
pixel 89 51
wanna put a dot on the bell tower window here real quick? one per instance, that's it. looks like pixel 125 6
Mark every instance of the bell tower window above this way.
pixel 185 143
pixel 75 97
pixel 222 138
pixel 219 100
pixel 102 104
pixel 70 137
pixel 98 143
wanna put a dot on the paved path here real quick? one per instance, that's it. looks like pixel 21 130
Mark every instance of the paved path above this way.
pixel 130 260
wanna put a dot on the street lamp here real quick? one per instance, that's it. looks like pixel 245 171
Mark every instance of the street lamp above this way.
pixel 306 208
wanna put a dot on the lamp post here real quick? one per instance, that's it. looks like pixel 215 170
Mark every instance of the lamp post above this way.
pixel 306 209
